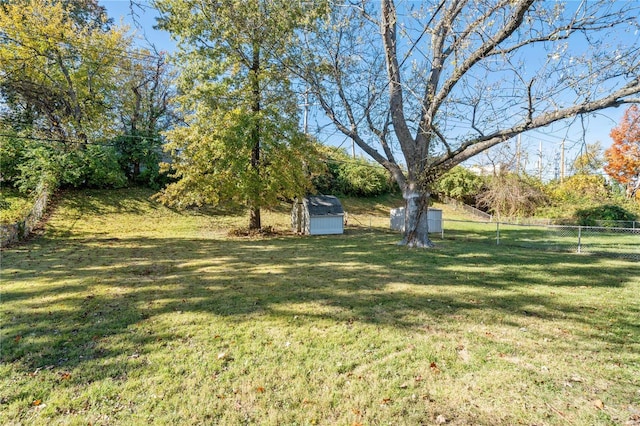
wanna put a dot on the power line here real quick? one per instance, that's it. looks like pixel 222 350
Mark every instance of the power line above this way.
pixel 75 141
pixel 80 44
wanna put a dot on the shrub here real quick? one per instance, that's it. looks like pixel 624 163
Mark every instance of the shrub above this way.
pixel 12 149
pixel 607 213
pixel 509 195
pixel 363 179
pixel 101 168
pixel 350 176
pixel 580 188
pixel 39 166
pixel 96 166
pixel 461 184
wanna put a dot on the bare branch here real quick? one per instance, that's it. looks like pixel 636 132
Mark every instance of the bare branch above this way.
pixel 475 146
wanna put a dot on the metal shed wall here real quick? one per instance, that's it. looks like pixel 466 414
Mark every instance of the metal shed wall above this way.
pixel 434 218
pixel 326 225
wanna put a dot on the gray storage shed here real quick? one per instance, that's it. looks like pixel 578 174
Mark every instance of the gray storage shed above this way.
pixel 318 215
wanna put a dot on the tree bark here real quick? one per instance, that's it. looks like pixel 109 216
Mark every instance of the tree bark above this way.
pixel 254 215
pixel 416 225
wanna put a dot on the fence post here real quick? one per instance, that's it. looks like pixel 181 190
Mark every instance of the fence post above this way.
pixel 579 239
pixel 497 233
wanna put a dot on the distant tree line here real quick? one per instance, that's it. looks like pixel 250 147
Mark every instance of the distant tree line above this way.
pixel 583 198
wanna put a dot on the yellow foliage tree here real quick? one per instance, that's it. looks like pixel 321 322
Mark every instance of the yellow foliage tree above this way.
pixel 59 60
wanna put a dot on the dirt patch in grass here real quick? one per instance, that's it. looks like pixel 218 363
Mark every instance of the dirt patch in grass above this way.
pixel 265 232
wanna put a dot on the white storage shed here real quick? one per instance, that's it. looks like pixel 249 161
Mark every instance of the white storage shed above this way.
pixel 318 215
pixel 434 220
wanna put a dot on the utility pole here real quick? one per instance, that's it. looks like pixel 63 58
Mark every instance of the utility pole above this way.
pixel 518 147
pixel 540 161
pixel 562 161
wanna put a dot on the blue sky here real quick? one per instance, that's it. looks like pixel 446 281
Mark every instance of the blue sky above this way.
pixel 141 24
pixel 596 126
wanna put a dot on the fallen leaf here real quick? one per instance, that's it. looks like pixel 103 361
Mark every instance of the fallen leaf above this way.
pixel 386 401
pixel 598 404
pixel 260 389
pixel 65 376
pixel 434 367
pixel 36 402
pixel 17 338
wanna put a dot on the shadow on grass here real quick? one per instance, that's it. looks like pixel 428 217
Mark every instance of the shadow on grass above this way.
pixel 69 294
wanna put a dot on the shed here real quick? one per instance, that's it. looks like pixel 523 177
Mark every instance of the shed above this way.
pixel 318 215
pixel 434 220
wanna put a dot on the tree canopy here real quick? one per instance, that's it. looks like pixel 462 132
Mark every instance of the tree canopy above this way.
pixel 623 157
pixel 81 105
pixel 58 66
pixel 241 144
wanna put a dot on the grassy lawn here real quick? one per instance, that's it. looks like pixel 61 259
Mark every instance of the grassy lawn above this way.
pixel 14 206
pixel 124 312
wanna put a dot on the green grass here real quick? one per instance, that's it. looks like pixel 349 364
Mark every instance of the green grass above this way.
pixel 124 312
pixel 14 206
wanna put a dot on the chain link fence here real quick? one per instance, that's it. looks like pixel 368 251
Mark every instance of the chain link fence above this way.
pixel 620 242
pixel 598 240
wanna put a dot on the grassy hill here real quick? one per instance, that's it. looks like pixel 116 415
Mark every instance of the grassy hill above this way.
pixel 125 312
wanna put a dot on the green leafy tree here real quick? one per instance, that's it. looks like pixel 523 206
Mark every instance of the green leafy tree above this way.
pixel 351 176
pixel 144 112
pixel 461 184
pixel 590 159
pixel 58 61
pixel 241 144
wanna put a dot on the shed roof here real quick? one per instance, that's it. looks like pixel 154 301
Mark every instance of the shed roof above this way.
pixel 324 205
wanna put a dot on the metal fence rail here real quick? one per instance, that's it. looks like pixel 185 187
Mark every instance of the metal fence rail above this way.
pixel 606 241
pixel 458 205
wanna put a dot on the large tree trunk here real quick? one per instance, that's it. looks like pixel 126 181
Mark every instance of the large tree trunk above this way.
pixel 416 225
pixel 254 218
pixel 254 215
